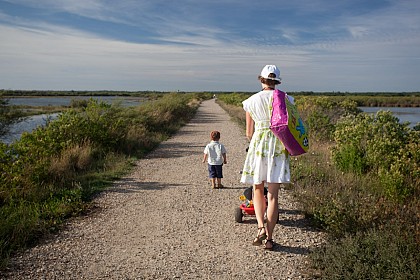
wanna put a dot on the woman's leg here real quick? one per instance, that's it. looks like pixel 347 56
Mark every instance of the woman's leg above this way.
pixel 272 208
pixel 259 204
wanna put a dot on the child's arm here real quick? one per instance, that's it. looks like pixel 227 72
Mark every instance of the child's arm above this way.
pixel 204 158
pixel 224 158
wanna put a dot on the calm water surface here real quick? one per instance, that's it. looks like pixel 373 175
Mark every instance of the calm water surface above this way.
pixel 27 125
pixel 66 100
pixel 405 114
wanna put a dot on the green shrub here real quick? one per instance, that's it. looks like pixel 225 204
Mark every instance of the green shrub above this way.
pixel 79 103
pixel 236 113
pixel 376 139
pixel 402 178
pixel 99 123
pixel 168 113
pixel 233 98
pixel 379 144
pixel 321 113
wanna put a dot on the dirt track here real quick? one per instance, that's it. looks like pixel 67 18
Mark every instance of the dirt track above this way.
pixel 165 222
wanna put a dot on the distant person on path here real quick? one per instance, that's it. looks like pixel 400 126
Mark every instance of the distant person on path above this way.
pixel 267 161
pixel 215 154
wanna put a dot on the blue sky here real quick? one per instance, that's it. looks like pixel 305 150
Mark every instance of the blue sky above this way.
pixel 209 45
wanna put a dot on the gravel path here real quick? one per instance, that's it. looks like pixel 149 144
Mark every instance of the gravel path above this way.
pixel 165 222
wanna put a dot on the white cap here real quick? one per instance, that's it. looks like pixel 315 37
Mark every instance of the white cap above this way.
pixel 271 69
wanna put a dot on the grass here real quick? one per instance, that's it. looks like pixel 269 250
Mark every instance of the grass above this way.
pixel 375 254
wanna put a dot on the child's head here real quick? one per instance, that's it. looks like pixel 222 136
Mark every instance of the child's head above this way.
pixel 215 135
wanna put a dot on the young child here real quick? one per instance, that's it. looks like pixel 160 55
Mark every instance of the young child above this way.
pixel 215 154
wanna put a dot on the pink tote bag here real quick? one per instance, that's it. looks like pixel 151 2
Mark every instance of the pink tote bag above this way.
pixel 287 125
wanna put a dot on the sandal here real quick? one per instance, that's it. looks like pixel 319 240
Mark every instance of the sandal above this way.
pixel 260 237
pixel 269 241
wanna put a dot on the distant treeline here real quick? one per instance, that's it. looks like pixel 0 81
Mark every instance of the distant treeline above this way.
pixel 381 100
pixel 8 92
pixel 339 93
pixel 368 100
pixel 363 99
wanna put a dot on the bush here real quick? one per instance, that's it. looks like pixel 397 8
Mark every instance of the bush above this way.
pixel 382 145
pixel 234 99
pixel 322 113
pixel 355 211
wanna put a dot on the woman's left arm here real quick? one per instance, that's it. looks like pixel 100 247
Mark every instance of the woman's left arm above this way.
pixel 249 126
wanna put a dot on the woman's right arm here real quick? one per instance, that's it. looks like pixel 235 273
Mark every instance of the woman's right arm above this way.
pixel 249 126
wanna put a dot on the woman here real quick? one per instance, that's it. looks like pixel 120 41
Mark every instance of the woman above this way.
pixel 267 160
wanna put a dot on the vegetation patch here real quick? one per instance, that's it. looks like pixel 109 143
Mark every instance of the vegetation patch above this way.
pixel 53 172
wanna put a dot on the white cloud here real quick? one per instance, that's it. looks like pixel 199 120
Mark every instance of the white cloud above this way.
pixel 70 59
pixel 80 7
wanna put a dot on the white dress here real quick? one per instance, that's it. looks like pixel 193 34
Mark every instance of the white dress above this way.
pixel 267 160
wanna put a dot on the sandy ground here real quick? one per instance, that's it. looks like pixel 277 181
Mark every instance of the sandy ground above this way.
pixel 165 222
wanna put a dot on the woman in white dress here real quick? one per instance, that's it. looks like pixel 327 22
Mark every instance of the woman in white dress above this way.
pixel 267 160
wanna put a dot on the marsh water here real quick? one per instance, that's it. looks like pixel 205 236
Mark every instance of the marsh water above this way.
pixel 405 114
pixel 66 100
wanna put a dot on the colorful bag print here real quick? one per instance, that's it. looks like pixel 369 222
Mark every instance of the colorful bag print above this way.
pixel 287 125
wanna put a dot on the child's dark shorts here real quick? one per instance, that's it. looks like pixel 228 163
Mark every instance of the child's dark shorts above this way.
pixel 215 171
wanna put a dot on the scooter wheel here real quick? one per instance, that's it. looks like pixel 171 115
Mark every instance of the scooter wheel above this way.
pixel 238 215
